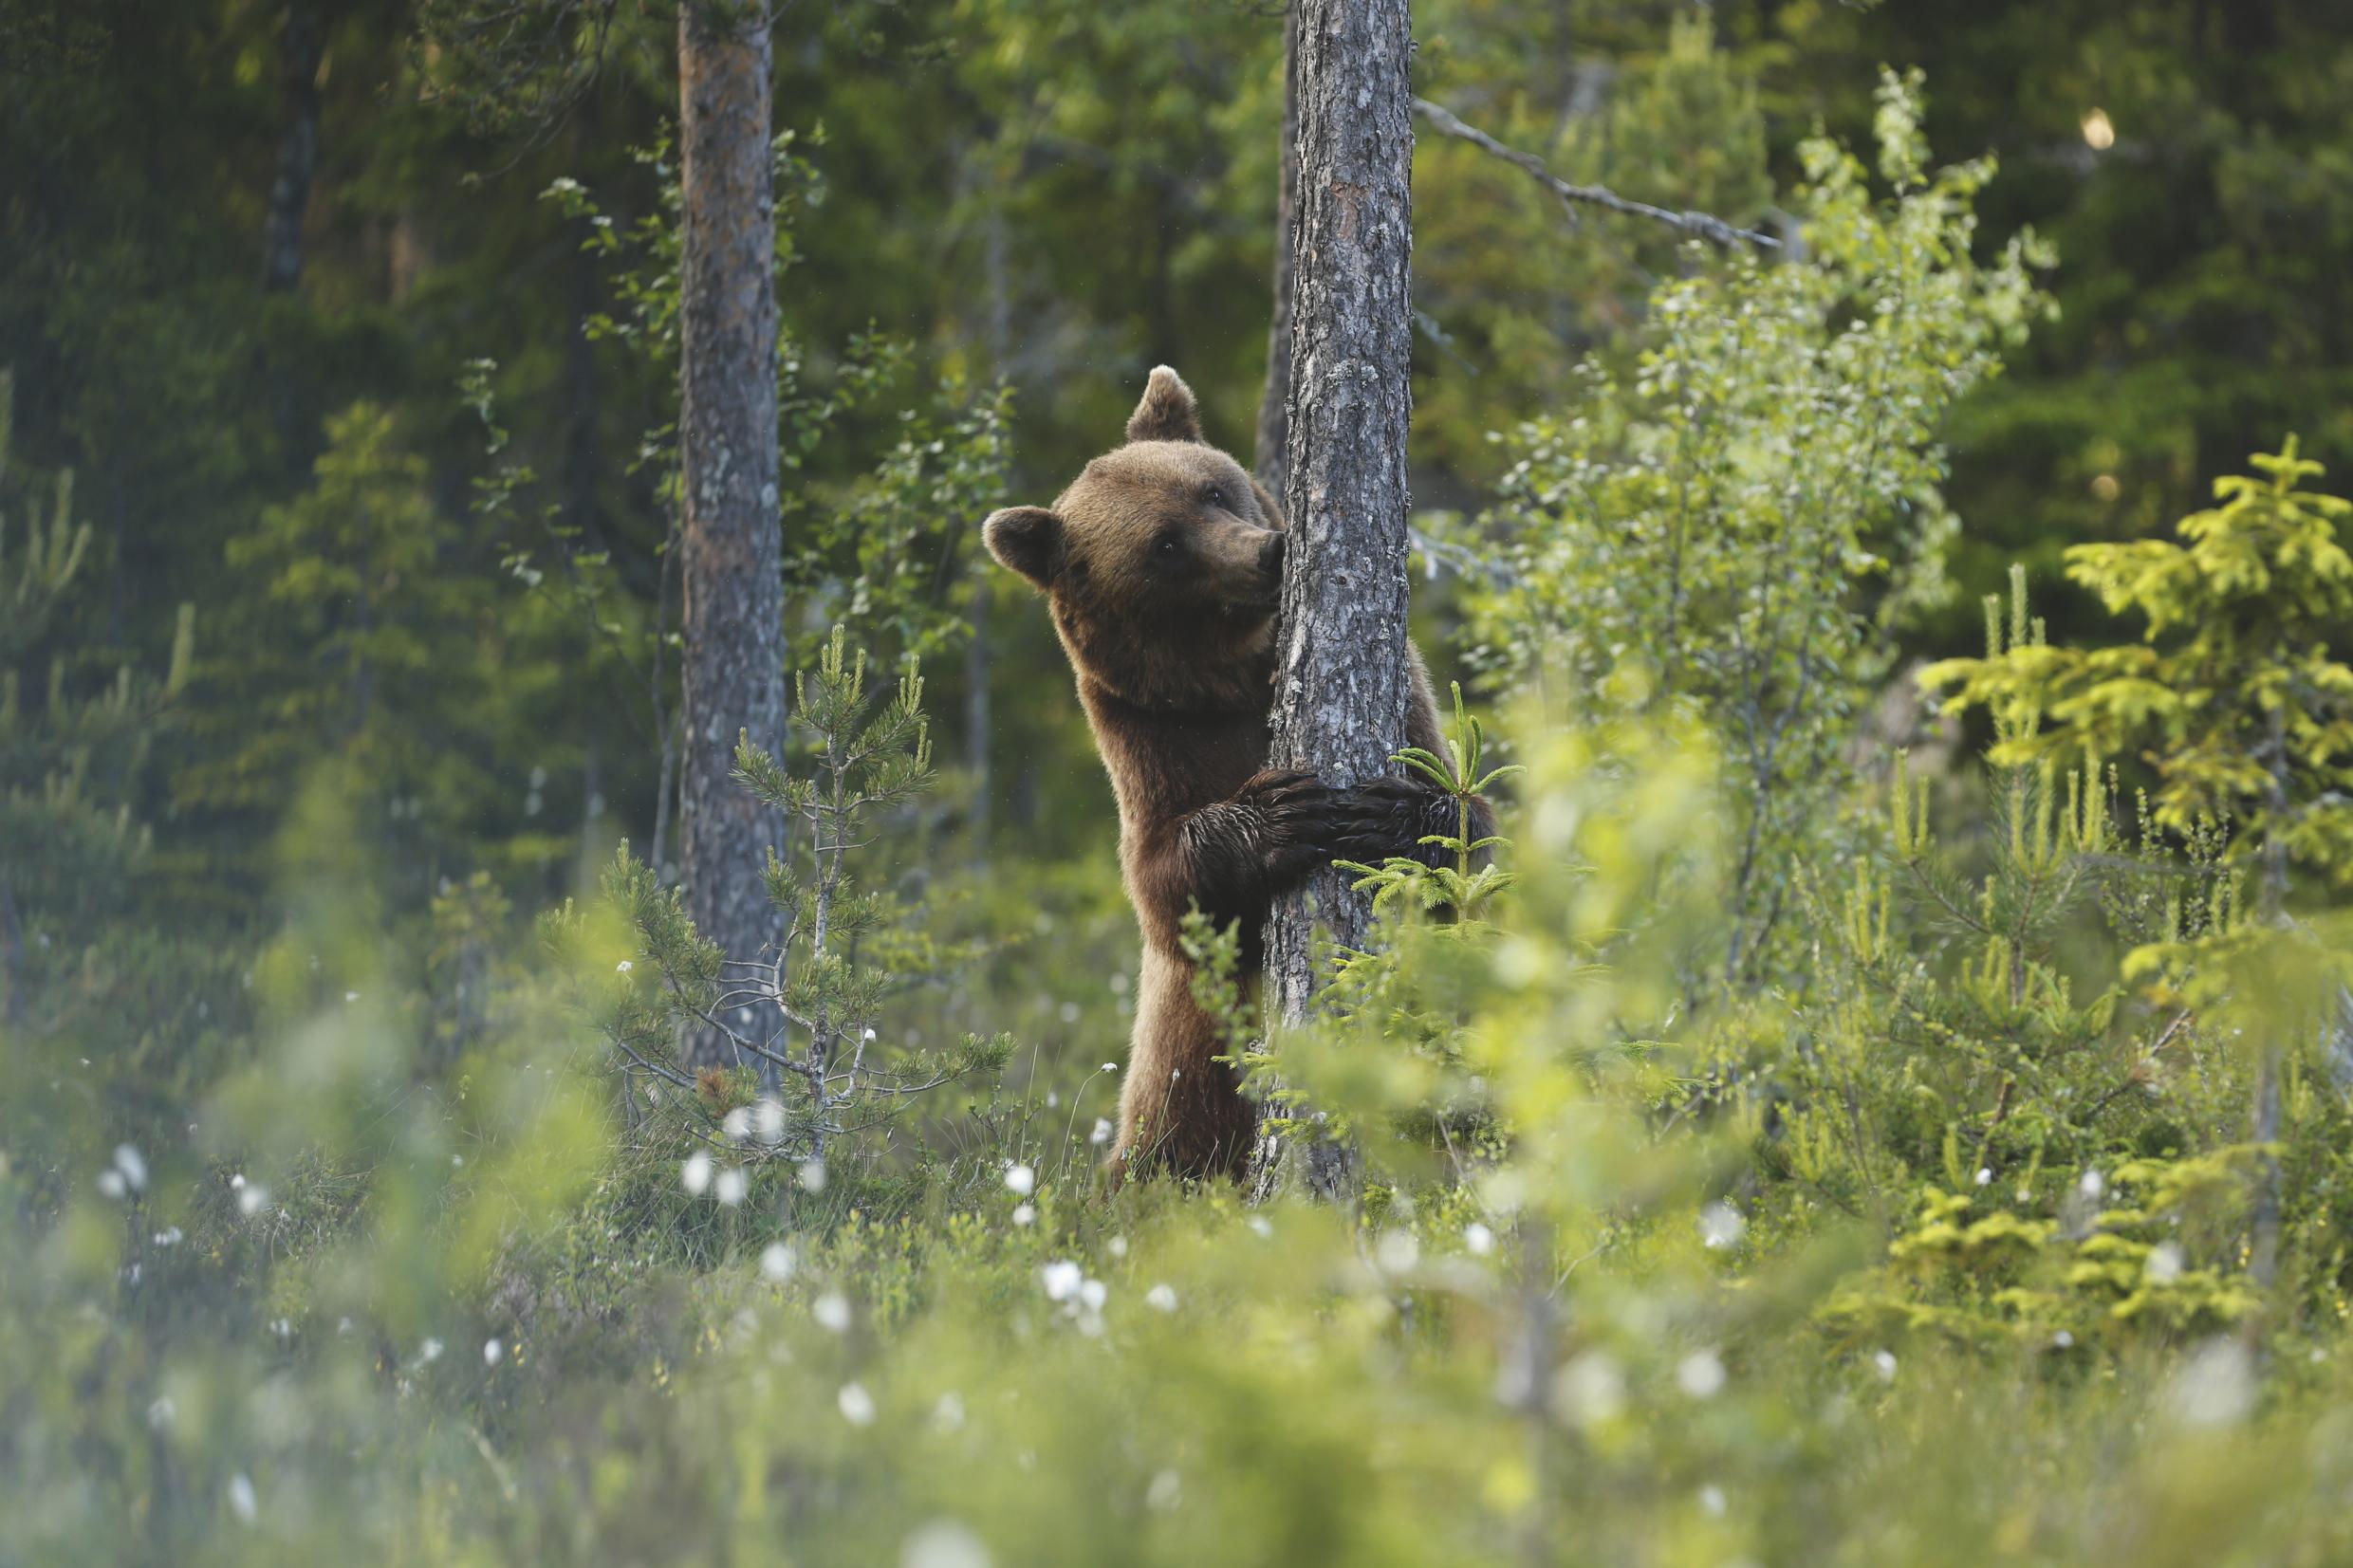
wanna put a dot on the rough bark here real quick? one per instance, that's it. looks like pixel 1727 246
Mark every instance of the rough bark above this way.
pixel 731 548
pixel 298 150
pixel 1342 684
pixel 1269 458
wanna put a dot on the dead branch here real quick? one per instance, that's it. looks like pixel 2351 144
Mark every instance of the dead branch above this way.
pixel 1703 225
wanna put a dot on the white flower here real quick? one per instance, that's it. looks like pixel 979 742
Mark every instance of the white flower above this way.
pixel 111 1183
pixel 1102 1135
pixel 1160 1298
pixel 1060 1280
pixel 1116 1246
pixel 351 996
pixel 429 1351
pixel 493 1352
pixel 1591 1388
pixel 1110 1067
pixel 1261 1225
pixel 731 1186
pixel 1025 1214
pixel 1166 1491
pixel 161 1412
pixel 2092 1184
pixel 2164 1264
pixel 132 1164
pixel 2217 1388
pixel 857 1405
pixel 943 1543
pixel 1700 1374
pixel 1884 1362
pixel 252 1198
pixel 1397 1251
pixel 738 1123
pixel 1021 1180
pixel 832 1310
pixel 1092 1294
pixel 812 1176
pixel 696 1174
pixel 1721 1224
pixel 624 966
pixel 1480 1240
pixel 1985 1176
pixel 948 1415
pixel 241 1500
pixel 777 1261
pixel 768 1121
pixel 236 1183
pixel 1712 1500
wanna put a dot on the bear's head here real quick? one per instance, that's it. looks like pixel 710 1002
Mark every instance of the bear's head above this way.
pixel 1162 562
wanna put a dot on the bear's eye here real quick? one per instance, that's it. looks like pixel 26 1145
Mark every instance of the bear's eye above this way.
pixel 1214 495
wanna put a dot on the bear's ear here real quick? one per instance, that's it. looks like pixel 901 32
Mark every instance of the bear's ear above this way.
pixel 1167 412
pixel 1027 539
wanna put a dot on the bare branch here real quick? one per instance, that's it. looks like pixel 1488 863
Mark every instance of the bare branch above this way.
pixel 1703 225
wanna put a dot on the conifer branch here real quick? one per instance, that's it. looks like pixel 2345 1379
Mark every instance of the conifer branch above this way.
pixel 1700 225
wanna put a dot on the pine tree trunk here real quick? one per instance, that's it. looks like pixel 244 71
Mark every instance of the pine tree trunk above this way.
pixel 1274 404
pixel 298 150
pixel 1342 688
pixel 732 548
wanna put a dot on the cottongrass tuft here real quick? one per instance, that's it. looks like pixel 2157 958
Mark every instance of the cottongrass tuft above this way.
pixel 1700 1374
pixel 943 1543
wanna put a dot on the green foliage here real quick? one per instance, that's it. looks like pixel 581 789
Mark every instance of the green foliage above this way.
pixel 365 650
pixel 1738 530
pixel 2232 697
pixel 804 1011
pixel 75 745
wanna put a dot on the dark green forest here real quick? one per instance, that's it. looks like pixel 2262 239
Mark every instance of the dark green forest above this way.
pixel 1889 1101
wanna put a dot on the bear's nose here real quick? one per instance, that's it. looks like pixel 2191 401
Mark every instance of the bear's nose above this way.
pixel 1270 554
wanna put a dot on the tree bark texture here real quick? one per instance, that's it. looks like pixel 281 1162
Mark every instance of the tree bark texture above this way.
pixel 1342 681
pixel 1269 457
pixel 298 150
pixel 732 546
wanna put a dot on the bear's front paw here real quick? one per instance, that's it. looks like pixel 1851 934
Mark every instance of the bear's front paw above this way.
pixel 1291 816
pixel 1382 818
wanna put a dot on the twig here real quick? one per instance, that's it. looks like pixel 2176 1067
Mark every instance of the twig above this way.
pixel 1704 225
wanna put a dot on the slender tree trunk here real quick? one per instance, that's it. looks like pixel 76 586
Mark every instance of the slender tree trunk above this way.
pixel 996 269
pixel 282 223
pixel 298 150
pixel 732 548
pixel 11 957
pixel 1342 687
pixel 1274 404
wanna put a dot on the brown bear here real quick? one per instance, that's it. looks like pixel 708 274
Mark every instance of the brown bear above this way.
pixel 1162 564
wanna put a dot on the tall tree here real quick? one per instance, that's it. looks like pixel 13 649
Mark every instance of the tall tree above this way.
pixel 1274 404
pixel 298 150
pixel 731 552
pixel 1341 686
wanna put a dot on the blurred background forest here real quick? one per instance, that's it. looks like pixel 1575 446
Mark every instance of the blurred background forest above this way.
pixel 337 615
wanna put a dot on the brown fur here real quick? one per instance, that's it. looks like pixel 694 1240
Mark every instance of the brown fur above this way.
pixel 1162 565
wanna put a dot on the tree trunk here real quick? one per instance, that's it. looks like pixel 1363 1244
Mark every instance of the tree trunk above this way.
pixel 298 150
pixel 1274 408
pixel 732 546
pixel 1341 686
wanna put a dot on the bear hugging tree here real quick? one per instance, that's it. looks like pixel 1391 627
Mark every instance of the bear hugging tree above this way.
pixel 1162 567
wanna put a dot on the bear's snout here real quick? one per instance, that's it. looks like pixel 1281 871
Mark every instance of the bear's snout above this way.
pixel 1270 554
